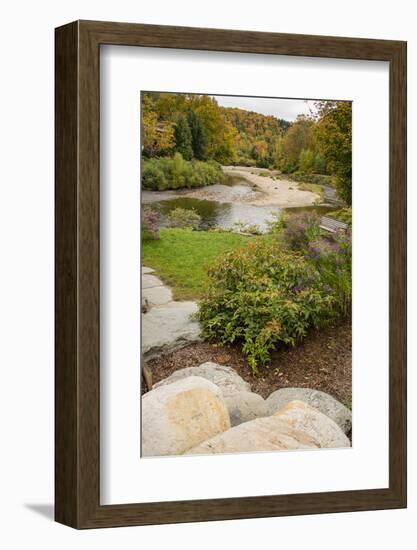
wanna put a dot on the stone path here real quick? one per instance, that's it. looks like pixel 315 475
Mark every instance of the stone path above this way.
pixel 166 325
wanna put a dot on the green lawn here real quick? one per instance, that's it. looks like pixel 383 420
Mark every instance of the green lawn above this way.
pixel 181 257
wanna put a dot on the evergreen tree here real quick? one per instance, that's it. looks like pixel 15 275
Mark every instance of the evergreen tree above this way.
pixel 183 138
pixel 199 136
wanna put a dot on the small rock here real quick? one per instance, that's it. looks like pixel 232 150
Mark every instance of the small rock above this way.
pixel 297 426
pixel 226 378
pixel 146 270
pixel 145 305
pixel 324 402
pixel 182 415
pixel 244 406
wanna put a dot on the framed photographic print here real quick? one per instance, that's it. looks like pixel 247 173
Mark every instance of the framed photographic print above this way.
pixel 230 274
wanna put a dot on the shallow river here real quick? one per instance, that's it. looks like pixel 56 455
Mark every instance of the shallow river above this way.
pixel 224 209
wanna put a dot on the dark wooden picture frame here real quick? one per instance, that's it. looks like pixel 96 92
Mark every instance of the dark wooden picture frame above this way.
pixel 77 372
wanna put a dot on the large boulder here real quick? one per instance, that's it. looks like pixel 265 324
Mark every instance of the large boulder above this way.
pixel 297 426
pixel 244 406
pixel 182 415
pixel 324 402
pixel 225 378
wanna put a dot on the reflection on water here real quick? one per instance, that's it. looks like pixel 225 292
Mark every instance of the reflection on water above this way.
pixel 227 214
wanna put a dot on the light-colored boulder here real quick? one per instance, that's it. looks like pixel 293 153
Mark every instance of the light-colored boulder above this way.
pixel 169 327
pixel 181 415
pixel 244 406
pixel 314 423
pixel 297 426
pixel 226 378
pixel 324 402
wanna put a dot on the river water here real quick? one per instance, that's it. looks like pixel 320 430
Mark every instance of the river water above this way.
pixel 227 210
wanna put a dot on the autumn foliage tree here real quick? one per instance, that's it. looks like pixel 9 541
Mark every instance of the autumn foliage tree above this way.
pixel 157 134
pixel 200 130
pixel 333 133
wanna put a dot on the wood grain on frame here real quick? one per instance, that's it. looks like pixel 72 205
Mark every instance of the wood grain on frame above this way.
pixel 77 360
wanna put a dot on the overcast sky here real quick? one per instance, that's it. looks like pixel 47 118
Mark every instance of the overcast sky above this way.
pixel 287 109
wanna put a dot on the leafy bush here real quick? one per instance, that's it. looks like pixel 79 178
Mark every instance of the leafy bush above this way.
pixel 263 295
pixel 244 161
pixel 297 230
pixel 159 174
pixel 276 289
pixel 153 176
pixel 150 221
pixel 332 257
pixel 331 254
pixel 183 218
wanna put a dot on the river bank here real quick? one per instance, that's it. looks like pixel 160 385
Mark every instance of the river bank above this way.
pixel 271 192
pixel 252 189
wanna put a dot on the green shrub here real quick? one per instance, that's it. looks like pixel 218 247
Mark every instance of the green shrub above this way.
pixel 263 295
pixel 297 230
pixel 183 218
pixel 277 288
pixel 164 173
pixel 331 254
pixel 153 176
pixel 332 257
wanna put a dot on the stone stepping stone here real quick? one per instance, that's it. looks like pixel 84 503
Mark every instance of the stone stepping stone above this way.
pixel 169 327
pixel 157 295
pixel 321 401
pixel 149 281
pixel 147 270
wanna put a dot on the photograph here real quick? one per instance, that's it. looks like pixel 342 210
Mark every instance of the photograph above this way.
pixel 246 283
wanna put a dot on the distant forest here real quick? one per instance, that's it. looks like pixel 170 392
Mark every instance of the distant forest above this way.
pixel 198 128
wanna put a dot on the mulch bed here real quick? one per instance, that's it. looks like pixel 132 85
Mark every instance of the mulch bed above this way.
pixel 323 361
